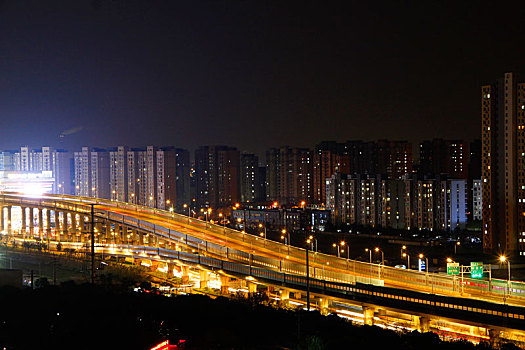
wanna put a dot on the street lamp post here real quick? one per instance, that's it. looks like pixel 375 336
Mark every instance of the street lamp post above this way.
pixel 312 239
pixel 382 261
pixel 426 268
pixel 285 232
pixel 336 246
pixel 307 276
pixel 370 265
pixel 382 255
pixel 261 226
pixel 504 259
pixel 405 255
pixel 342 244
pixel 187 206
pixel 93 243
pixel 455 247
pixel 221 217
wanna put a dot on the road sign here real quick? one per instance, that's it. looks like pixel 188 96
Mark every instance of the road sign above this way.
pixel 422 265
pixel 452 268
pixel 476 270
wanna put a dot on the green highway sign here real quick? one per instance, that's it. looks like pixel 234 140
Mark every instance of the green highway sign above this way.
pixel 452 268
pixel 476 270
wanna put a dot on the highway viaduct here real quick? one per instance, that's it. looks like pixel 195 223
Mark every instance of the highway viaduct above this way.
pixel 368 293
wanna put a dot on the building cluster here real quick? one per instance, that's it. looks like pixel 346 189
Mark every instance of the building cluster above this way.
pixel 371 183
pixel 47 168
pixel 365 183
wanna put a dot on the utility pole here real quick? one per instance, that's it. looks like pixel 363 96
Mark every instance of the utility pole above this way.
pixel 307 278
pixel 92 243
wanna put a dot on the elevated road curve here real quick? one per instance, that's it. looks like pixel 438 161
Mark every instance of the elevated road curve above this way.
pixel 169 228
pixel 130 230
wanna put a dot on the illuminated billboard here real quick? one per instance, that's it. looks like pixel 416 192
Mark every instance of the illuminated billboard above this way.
pixel 34 183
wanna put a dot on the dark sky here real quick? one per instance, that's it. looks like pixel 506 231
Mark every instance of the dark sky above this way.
pixel 253 74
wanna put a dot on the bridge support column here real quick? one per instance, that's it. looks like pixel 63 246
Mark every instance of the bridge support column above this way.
pixel 59 225
pixel 368 315
pixel 31 222
pixel 285 296
pixel 9 227
pixel 109 236
pixel 203 279
pixel 2 218
pixel 40 223
pixel 252 287
pixel 48 223
pixel 323 305
pixel 421 323
pixel 185 274
pixel 136 237
pixel 495 339
pixel 23 228
pixel 225 284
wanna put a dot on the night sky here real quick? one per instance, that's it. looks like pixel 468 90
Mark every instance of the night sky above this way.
pixel 252 74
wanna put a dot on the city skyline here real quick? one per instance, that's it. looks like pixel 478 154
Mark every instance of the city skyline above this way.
pixel 251 75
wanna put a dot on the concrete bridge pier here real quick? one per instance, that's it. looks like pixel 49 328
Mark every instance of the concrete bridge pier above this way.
pixel 495 338
pixel 225 284
pixel 41 223
pixel 252 287
pixel 185 274
pixel 124 235
pixel 2 218
pixel 31 222
pixel 9 226
pixel 203 283
pixel 23 228
pixel 107 229
pixel 368 315
pixel 285 296
pixel 48 223
pixel 59 226
pixel 323 305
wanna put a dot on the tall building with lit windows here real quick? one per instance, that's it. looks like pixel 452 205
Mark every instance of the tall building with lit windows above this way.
pixel 218 176
pixel 250 190
pixel 503 165
pixel 289 175
pixel 118 169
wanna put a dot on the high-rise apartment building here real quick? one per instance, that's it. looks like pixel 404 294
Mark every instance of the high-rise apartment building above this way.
pixel 440 156
pixel 173 173
pixel 341 198
pixel 477 202
pixel 289 175
pixel 451 204
pixel 367 201
pixel 503 165
pixel 329 158
pixel 118 169
pixel 100 173
pixel 137 192
pixel 250 178
pixel 425 213
pixel 7 160
pixel 392 211
pixel 218 176
pixel 394 159
pixel 82 161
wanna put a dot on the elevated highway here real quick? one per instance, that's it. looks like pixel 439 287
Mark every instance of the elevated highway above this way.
pixel 124 229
